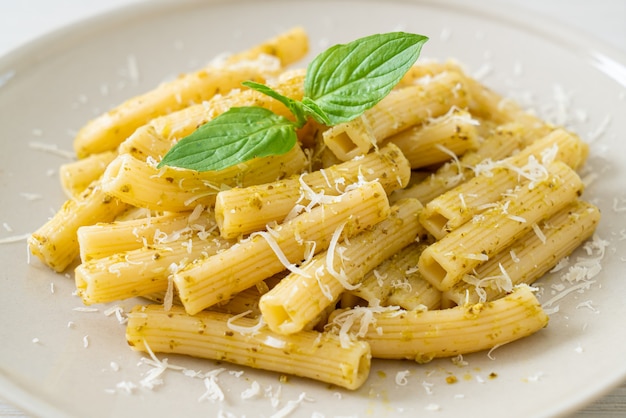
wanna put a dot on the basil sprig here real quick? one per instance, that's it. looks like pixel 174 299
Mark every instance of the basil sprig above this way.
pixel 340 84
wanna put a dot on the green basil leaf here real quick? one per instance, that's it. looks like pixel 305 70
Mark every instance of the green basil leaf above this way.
pixel 347 79
pixel 238 135
pixel 294 106
pixel 312 109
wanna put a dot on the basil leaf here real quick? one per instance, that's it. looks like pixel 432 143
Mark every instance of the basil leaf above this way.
pixel 312 109
pixel 340 84
pixel 294 106
pixel 237 135
pixel 347 79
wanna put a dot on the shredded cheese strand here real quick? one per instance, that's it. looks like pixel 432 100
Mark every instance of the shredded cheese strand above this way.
pixel 280 254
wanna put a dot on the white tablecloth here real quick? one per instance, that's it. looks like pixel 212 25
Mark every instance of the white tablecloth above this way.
pixel 24 20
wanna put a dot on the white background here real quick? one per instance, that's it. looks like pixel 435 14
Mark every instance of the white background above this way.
pixel 605 20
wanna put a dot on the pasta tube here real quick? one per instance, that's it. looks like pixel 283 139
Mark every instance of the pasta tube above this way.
pixel 155 138
pixel 107 131
pixel 559 145
pixel 433 143
pixel 453 208
pixel 528 258
pixel 78 175
pixel 398 282
pixel 139 272
pixel 247 342
pixel 424 68
pixel 489 105
pixel 55 243
pixel 423 335
pixel 401 109
pixel 240 211
pixel 104 239
pixel 446 261
pixel 208 281
pixel 501 143
pixel 302 296
pixel 244 301
pixel 171 189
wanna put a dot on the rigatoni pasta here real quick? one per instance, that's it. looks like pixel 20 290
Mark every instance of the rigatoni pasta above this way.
pixel 303 295
pixel 446 261
pixel 208 281
pixel 527 260
pixel 224 337
pixel 107 131
pixel 244 210
pixel 397 282
pixel 411 231
pixel 141 184
pixel 422 335
pixel 56 242
pixel 460 204
pixel 434 97
pixel 155 138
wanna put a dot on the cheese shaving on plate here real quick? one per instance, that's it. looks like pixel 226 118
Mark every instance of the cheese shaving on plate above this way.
pixel 253 391
pixel 583 271
pixel 290 406
pixel 213 391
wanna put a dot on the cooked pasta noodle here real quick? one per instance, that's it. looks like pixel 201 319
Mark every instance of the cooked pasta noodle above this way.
pixel 388 235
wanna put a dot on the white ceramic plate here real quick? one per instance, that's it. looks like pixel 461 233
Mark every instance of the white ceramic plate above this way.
pixel 53 86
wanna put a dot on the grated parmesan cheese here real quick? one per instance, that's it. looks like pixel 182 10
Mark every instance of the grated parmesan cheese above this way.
pixel 13 239
pixel 589 305
pixel 582 272
pixel 319 272
pixel 213 391
pixel 332 251
pixel 536 377
pixel 31 196
pixel 52 149
pixel 501 282
pixel 126 387
pixel 279 253
pixel 459 361
pixel 290 406
pixel 119 313
pixel 428 387
pixel 480 257
pixel 364 316
pixel 85 309
pixel 274 342
pixel 619 204
pixel 433 407
pixel 274 396
pixel 537 230
pixel 244 330
pixel 253 391
pixel 401 377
